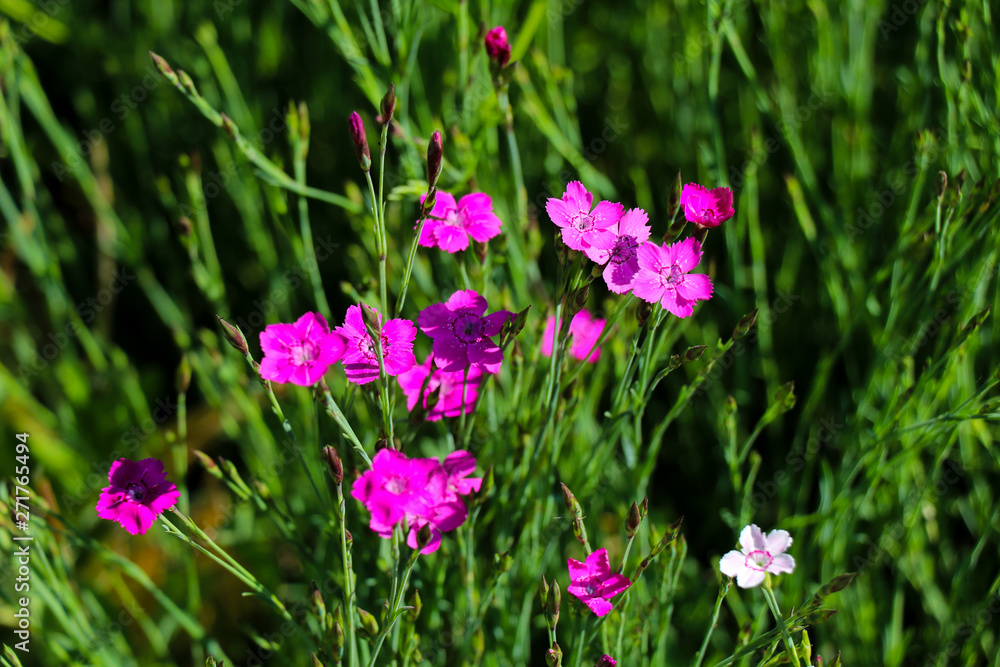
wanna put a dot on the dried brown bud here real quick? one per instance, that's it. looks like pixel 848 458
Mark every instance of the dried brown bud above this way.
pixel 334 463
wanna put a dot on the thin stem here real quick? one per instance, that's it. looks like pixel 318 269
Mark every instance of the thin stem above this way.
pixel 772 602
pixel 352 648
pixel 394 612
pixel 335 412
pixel 409 259
pixel 715 618
pixel 379 239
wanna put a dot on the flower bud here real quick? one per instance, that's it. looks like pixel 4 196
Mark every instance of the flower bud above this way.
pixel 349 539
pixel 211 662
pixel 261 488
pixel 163 67
pixel 371 318
pixel 416 605
pixel 552 607
pixel 497 47
pixel 334 463
pixel 316 662
pixel 209 464
pixel 746 323
pixel 694 352
pixel 435 152
pixel 368 623
pixel 234 336
pixel 388 105
pixel 183 374
pixel 502 562
pixel 228 126
pixel 188 85
pixel 606 661
pixel 316 600
pixel 184 227
pixel 553 657
pixel 674 197
pixel 643 312
pixel 357 128
pixel 644 507
pixel 633 520
pixel 572 505
pixel 543 592
pixel 424 536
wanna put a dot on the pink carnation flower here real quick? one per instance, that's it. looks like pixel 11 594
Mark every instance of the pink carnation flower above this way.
pixel 497 47
pixel 449 225
pixel 759 556
pixel 139 493
pixel 708 208
pixel 631 231
pixel 594 583
pixel 299 353
pixel 462 335
pixel 360 360
pixel 663 276
pixel 584 328
pixel 449 387
pixel 419 491
pixel 606 661
pixel 581 227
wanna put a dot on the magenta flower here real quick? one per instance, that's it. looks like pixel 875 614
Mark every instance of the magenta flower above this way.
pixel 299 353
pixel 497 47
pixel 581 227
pixel 449 225
pixel 139 493
pixel 449 387
pixel 704 207
pixel 360 360
pixel 606 661
pixel 584 329
pixel 622 264
pixel 462 336
pixel 663 276
pixel 594 583
pixel 418 491
pixel 759 556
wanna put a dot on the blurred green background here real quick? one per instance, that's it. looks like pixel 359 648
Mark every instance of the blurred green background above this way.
pixel 861 140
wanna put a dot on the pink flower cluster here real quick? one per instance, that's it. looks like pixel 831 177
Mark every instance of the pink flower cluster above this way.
pixel 417 493
pixel 301 353
pixel 619 240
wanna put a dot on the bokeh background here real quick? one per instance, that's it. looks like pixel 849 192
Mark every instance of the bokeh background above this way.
pixel 861 140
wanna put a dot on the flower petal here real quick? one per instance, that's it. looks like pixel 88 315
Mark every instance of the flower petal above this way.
pixel 750 578
pixel 732 563
pixel 782 564
pixel 778 542
pixel 752 539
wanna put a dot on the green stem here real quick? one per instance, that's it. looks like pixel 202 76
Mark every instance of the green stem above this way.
pixel 715 618
pixel 352 647
pixel 410 256
pixel 335 412
pixel 394 612
pixel 772 602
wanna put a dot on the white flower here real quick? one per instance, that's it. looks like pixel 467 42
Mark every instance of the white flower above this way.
pixel 760 555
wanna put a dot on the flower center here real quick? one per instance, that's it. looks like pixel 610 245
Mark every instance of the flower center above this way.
pixel 468 327
pixel 583 221
pixel 759 560
pixel 708 212
pixel 624 249
pixel 396 484
pixel 590 588
pixel 135 492
pixel 304 353
pixel 366 346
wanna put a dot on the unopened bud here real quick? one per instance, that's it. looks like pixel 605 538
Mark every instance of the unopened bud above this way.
pixel 349 539
pixel 210 661
pixel 305 127
pixel 234 336
pixel 572 505
pixel 316 662
pixel 553 657
pixel 261 488
pixel 643 312
pixel 371 318
pixel 497 47
pixel 746 323
pixel 485 487
pixel 183 374
pixel 209 464
pixel 785 397
pixel 388 105
pixel 416 605
pixel 633 520
pixel 502 562
pixel 424 536
pixel 316 599
pixel 184 226
pixel 163 67
pixel 435 152
pixel 543 592
pixel 694 352
pixel 674 197
pixel 552 607
pixel 368 623
pixel 360 140
pixel 229 126
pixel 334 464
